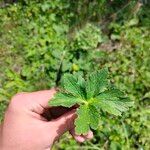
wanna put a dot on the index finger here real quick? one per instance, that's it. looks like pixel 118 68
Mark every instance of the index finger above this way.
pixel 42 97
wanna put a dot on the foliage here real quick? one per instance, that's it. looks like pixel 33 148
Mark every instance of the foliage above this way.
pixel 91 95
pixel 34 35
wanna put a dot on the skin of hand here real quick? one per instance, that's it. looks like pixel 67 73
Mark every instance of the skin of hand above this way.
pixel 26 127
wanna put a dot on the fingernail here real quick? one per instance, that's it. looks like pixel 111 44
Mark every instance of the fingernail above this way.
pixel 80 139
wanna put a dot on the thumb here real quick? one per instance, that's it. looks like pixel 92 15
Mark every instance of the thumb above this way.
pixel 62 124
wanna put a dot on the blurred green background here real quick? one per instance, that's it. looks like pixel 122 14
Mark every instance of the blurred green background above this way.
pixel 42 40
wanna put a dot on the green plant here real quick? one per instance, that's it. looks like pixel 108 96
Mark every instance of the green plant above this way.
pixel 36 33
pixel 91 95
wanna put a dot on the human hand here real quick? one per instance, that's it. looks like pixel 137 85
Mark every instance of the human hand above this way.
pixel 26 125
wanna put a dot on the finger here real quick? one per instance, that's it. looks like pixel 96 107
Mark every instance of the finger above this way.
pixel 34 101
pixel 81 138
pixel 41 97
pixel 62 124
pixel 78 138
pixel 89 135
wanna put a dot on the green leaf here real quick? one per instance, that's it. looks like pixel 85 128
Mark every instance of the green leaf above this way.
pixel 71 85
pixel 111 93
pixel 147 95
pixel 113 101
pixel 88 116
pixel 96 83
pixel 82 122
pixel 94 117
pixel 64 99
pixel 92 95
pixel 81 83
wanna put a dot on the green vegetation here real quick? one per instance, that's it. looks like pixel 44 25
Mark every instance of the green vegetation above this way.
pixel 91 95
pixel 41 41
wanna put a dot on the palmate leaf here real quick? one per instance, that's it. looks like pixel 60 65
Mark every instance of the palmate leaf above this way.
pixel 92 95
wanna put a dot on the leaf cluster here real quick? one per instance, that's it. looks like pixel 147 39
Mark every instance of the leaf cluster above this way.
pixel 92 95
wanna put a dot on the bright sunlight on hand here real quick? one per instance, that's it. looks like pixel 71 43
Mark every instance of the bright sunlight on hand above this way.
pixel 30 124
